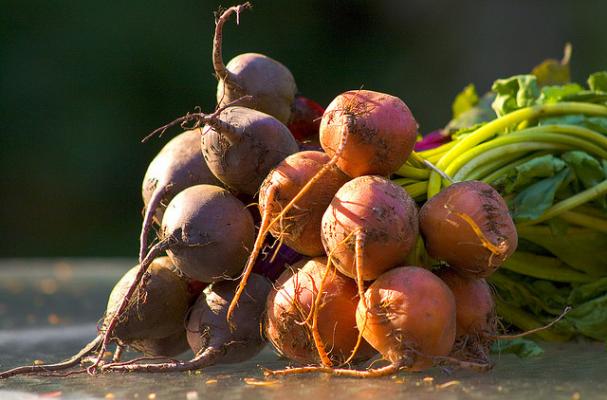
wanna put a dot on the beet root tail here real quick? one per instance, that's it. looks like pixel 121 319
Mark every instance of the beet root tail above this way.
pixel 45 368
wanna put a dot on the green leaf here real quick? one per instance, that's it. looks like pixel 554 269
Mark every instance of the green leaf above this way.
pixel 554 72
pixel 515 92
pixel 524 174
pixel 473 117
pixel 522 348
pixel 554 94
pixel 588 171
pixel 464 101
pixel 581 248
pixel 590 318
pixel 598 81
pixel 588 291
pixel 534 200
pixel 515 290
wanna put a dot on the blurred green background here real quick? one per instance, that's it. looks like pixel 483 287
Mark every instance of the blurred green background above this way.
pixel 81 82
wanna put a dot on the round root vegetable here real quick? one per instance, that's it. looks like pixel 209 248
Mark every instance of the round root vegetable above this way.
pixel 206 232
pixel 290 325
pixel 241 146
pixel 476 321
pixel 178 165
pixel 153 321
pixel 370 226
pixel 169 346
pixel 299 227
pixel 370 133
pixel 270 84
pixel 408 315
pixel 208 328
pixel 209 336
pixel 157 308
pixel 468 225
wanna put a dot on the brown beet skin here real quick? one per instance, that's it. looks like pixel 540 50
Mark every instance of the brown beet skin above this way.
pixel 410 317
pixel 242 162
pixel 300 227
pixel 381 139
pixel 155 312
pixel 290 302
pixel 209 232
pixel 383 212
pixel 269 83
pixel 208 326
pixel 475 308
pixel 447 224
pixel 178 165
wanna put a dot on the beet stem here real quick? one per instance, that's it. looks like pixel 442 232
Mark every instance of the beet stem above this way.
pixel 199 118
pixel 220 69
pixel 69 363
pixel 432 167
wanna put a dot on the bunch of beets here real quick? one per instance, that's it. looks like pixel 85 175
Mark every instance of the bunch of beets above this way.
pixel 339 280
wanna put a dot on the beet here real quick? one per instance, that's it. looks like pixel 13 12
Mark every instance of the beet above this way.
pixel 305 121
pixel 299 227
pixel 370 133
pixel 408 315
pixel 468 225
pixel 476 320
pixel 158 306
pixel 270 84
pixel 208 328
pixel 370 226
pixel 293 299
pixel 210 337
pixel 242 157
pixel 206 232
pixel 153 322
pixel 177 166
